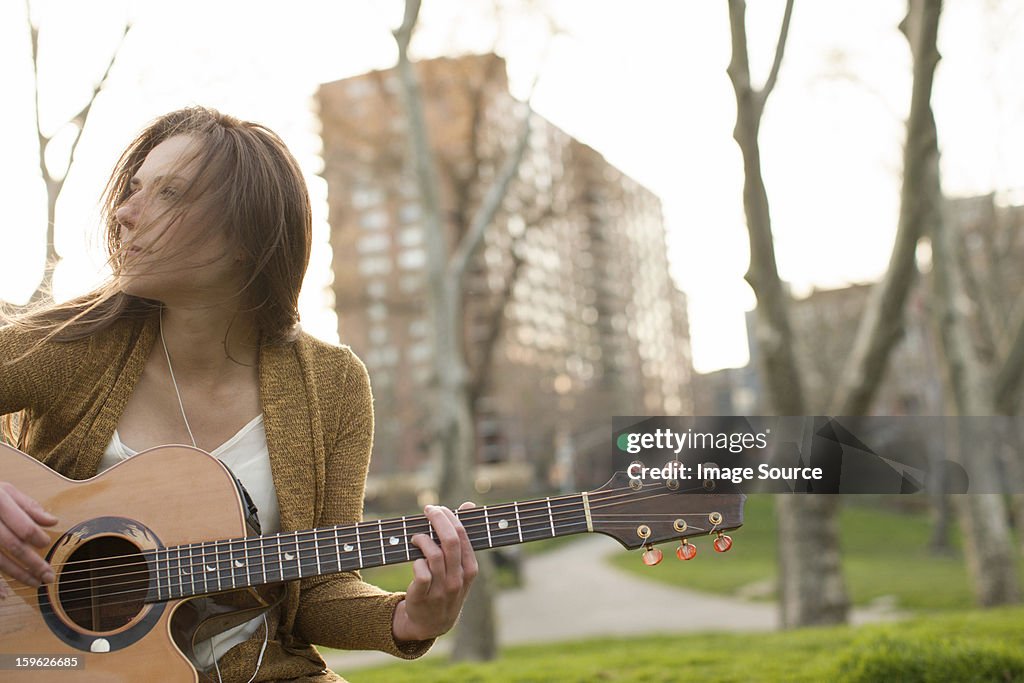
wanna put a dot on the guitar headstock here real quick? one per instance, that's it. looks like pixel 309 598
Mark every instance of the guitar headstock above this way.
pixel 641 513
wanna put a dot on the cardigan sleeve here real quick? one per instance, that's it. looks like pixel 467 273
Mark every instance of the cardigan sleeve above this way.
pixel 33 371
pixel 342 611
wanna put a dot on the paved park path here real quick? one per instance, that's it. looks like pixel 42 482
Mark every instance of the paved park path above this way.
pixel 572 592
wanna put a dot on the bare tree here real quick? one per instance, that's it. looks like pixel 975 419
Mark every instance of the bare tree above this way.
pixel 811 583
pixel 448 267
pixel 976 389
pixel 54 178
pixel 810 578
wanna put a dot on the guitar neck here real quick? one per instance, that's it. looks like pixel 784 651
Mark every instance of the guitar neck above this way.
pixel 201 568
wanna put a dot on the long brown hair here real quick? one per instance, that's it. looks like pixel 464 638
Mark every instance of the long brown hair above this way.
pixel 251 186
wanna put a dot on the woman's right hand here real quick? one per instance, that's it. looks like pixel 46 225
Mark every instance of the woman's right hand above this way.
pixel 21 526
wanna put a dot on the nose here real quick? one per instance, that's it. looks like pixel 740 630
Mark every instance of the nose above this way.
pixel 126 213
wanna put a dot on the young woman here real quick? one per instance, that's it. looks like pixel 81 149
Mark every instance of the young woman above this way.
pixel 195 340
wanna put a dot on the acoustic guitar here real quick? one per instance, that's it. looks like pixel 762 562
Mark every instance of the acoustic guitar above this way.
pixel 154 555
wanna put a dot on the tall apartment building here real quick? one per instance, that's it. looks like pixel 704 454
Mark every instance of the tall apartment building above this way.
pixel 572 273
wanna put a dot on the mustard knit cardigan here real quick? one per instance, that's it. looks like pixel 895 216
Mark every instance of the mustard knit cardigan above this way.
pixel 318 415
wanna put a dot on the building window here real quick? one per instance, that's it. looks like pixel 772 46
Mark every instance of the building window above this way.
pixel 419 328
pixel 411 236
pixel 412 259
pixel 374 220
pixel 409 213
pixel 420 352
pixel 377 241
pixel 383 356
pixel 378 334
pixel 411 283
pixel 365 197
pixel 375 265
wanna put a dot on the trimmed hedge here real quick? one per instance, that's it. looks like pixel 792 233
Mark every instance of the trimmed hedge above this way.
pixel 914 659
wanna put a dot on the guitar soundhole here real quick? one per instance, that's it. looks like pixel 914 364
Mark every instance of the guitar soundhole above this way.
pixel 103 584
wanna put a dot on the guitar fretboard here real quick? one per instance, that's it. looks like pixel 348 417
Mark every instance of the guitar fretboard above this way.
pixel 200 568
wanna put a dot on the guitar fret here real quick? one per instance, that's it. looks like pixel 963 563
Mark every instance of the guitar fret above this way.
pixel 383 552
pixel 177 558
pixel 192 570
pixel 244 569
pixel 245 552
pixel 231 563
pixel 487 525
pixel 359 547
pixel 337 547
pixel 163 564
pixel 519 522
pixel 316 548
pixel 551 517
pixel 405 533
pixel 202 565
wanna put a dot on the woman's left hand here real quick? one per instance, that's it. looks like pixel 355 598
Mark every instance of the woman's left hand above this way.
pixel 441 579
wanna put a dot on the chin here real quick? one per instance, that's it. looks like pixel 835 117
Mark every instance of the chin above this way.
pixel 136 285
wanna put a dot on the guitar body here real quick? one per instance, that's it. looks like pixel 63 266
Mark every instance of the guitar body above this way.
pixel 165 496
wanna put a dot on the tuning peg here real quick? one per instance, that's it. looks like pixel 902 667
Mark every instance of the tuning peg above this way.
pixel 652 555
pixel 722 543
pixel 686 550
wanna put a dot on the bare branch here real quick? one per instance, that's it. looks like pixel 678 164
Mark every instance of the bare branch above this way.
pixel 484 215
pixel 403 34
pixel 499 188
pixel 882 324
pixel 780 47
pixel 739 64
pixel 1008 378
pixel 80 119
pixel 495 325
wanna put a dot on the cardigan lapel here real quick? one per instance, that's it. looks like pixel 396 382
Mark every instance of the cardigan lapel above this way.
pixel 288 423
pixel 118 377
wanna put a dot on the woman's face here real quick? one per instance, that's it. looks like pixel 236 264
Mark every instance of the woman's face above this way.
pixel 172 252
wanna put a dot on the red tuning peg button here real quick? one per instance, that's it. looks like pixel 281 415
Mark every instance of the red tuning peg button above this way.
pixel 722 543
pixel 686 551
pixel 652 556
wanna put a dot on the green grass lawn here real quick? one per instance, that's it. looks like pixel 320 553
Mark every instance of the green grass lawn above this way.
pixel 884 554
pixel 960 646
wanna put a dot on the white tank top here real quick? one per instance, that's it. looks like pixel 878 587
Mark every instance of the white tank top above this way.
pixel 247 456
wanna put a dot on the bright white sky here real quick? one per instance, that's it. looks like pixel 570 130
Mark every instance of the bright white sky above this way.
pixel 643 82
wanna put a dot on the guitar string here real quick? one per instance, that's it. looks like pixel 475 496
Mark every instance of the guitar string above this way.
pixel 376 533
pixel 307 565
pixel 143 574
pixel 564 500
pixel 370 551
pixel 164 555
pixel 257 543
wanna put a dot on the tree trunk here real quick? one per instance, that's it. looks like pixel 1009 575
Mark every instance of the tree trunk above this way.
pixel 454 422
pixel 983 517
pixel 811 589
